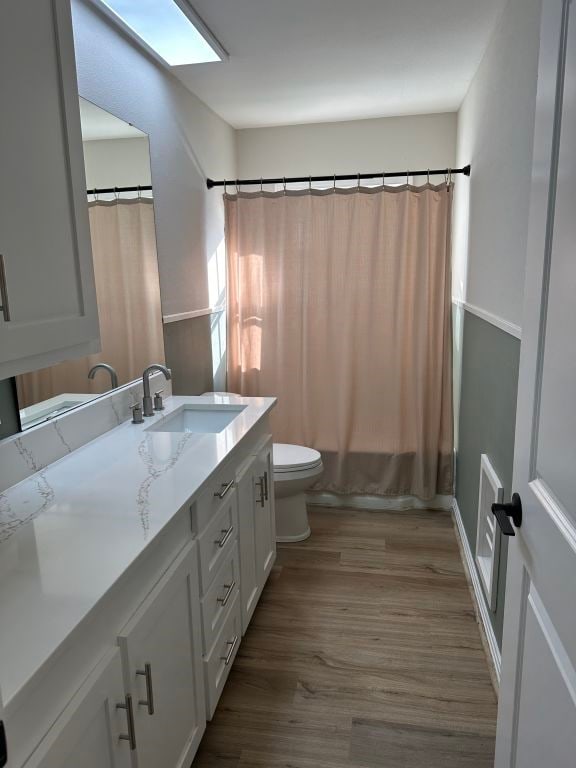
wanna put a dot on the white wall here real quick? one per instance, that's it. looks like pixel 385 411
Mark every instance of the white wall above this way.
pixel 495 134
pixel 187 143
pixel 117 163
pixel 391 143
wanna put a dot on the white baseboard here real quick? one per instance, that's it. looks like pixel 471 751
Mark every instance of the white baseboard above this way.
pixel 400 503
pixel 481 606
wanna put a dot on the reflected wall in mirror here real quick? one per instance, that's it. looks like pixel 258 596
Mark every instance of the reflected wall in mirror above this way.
pixel 116 155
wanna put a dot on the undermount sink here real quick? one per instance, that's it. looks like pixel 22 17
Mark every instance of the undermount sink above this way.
pixel 209 418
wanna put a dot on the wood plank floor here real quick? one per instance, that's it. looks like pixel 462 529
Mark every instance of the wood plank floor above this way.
pixel 364 651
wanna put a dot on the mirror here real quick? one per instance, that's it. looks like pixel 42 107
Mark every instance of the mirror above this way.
pixel 116 155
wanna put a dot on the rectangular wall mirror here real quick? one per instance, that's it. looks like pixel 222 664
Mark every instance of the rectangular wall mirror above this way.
pixel 116 156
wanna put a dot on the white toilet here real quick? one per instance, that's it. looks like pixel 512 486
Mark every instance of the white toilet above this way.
pixel 295 470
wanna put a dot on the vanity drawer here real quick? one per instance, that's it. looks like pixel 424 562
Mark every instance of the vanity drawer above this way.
pixel 220 487
pixel 218 599
pixel 217 540
pixel 218 664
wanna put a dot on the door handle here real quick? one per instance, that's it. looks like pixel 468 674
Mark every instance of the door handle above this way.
pixel 149 700
pixel 4 307
pixel 260 483
pixel 131 735
pixel 512 509
pixel 266 485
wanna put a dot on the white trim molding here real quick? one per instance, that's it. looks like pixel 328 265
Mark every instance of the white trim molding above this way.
pixel 194 313
pixel 481 607
pixel 489 317
pixel 396 503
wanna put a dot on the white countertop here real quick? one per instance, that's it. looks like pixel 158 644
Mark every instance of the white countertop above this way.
pixel 69 532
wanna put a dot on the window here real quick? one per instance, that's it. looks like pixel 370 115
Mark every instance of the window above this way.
pixel 169 28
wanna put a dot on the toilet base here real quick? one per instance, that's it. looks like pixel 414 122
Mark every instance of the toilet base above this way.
pixel 292 518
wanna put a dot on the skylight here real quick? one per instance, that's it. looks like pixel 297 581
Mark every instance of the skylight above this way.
pixel 165 28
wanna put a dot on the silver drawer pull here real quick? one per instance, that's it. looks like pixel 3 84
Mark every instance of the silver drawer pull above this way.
pixel 131 735
pixel 266 485
pixel 149 700
pixel 4 292
pixel 225 488
pixel 232 643
pixel 227 533
pixel 229 590
pixel 260 483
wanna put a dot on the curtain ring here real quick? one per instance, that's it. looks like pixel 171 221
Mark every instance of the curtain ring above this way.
pixel 225 190
pixel 309 183
pixel 383 179
pixel 334 182
pixel 407 175
pixel 261 190
pixel 449 177
pixel 237 182
pixel 116 193
pixel 284 183
pixel 428 175
pixel 358 181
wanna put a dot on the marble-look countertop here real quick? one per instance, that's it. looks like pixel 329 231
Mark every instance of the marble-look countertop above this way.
pixel 112 496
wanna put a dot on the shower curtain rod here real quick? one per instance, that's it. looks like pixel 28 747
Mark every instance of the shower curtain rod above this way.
pixel 117 190
pixel 210 183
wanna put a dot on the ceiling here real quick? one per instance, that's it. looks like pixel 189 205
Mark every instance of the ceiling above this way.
pixel 98 124
pixel 302 61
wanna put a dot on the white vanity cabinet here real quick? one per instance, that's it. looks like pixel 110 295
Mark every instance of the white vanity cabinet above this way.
pixel 92 732
pixel 162 660
pixel 47 289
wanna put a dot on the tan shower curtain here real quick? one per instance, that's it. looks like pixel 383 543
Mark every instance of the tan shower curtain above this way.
pixel 339 304
pixel 128 293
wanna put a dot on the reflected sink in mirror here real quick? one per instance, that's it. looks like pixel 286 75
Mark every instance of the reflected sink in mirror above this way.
pixel 202 419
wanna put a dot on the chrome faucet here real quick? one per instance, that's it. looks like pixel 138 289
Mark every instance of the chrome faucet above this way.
pixel 147 408
pixel 106 367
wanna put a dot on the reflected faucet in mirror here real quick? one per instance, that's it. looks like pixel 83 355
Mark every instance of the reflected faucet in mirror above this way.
pixel 147 409
pixel 106 367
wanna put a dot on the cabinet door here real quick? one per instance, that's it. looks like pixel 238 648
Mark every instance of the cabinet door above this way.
pixel 249 583
pixel 88 733
pixel 45 251
pixel 264 519
pixel 162 656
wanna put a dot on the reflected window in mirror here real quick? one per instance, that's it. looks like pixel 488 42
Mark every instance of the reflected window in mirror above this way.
pixel 121 212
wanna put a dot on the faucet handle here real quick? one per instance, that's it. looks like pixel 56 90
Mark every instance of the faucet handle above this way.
pixel 158 404
pixel 137 417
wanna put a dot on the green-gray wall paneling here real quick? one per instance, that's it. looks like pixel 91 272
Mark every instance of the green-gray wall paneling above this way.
pixel 487 420
pixel 9 414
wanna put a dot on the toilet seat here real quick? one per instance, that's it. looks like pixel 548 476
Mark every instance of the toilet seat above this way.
pixel 289 458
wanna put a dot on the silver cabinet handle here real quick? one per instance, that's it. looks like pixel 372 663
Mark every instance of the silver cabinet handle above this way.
pixel 227 533
pixel 149 700
pixel 229 590
pixel 232 643
pixel 131 735
pixel 266 485
pixel 260 483
pixel 225 488
pixel 4 291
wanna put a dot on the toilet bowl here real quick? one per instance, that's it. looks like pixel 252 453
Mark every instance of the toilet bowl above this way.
pixel 295 470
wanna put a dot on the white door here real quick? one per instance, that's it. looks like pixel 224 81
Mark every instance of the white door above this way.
pixel 162 655
pixel 264 519
pixel 537 707
pixel 92 732
pixel 249 584
pixel 47 289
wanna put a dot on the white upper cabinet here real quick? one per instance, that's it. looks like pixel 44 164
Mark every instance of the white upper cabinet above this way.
pixel 47 292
